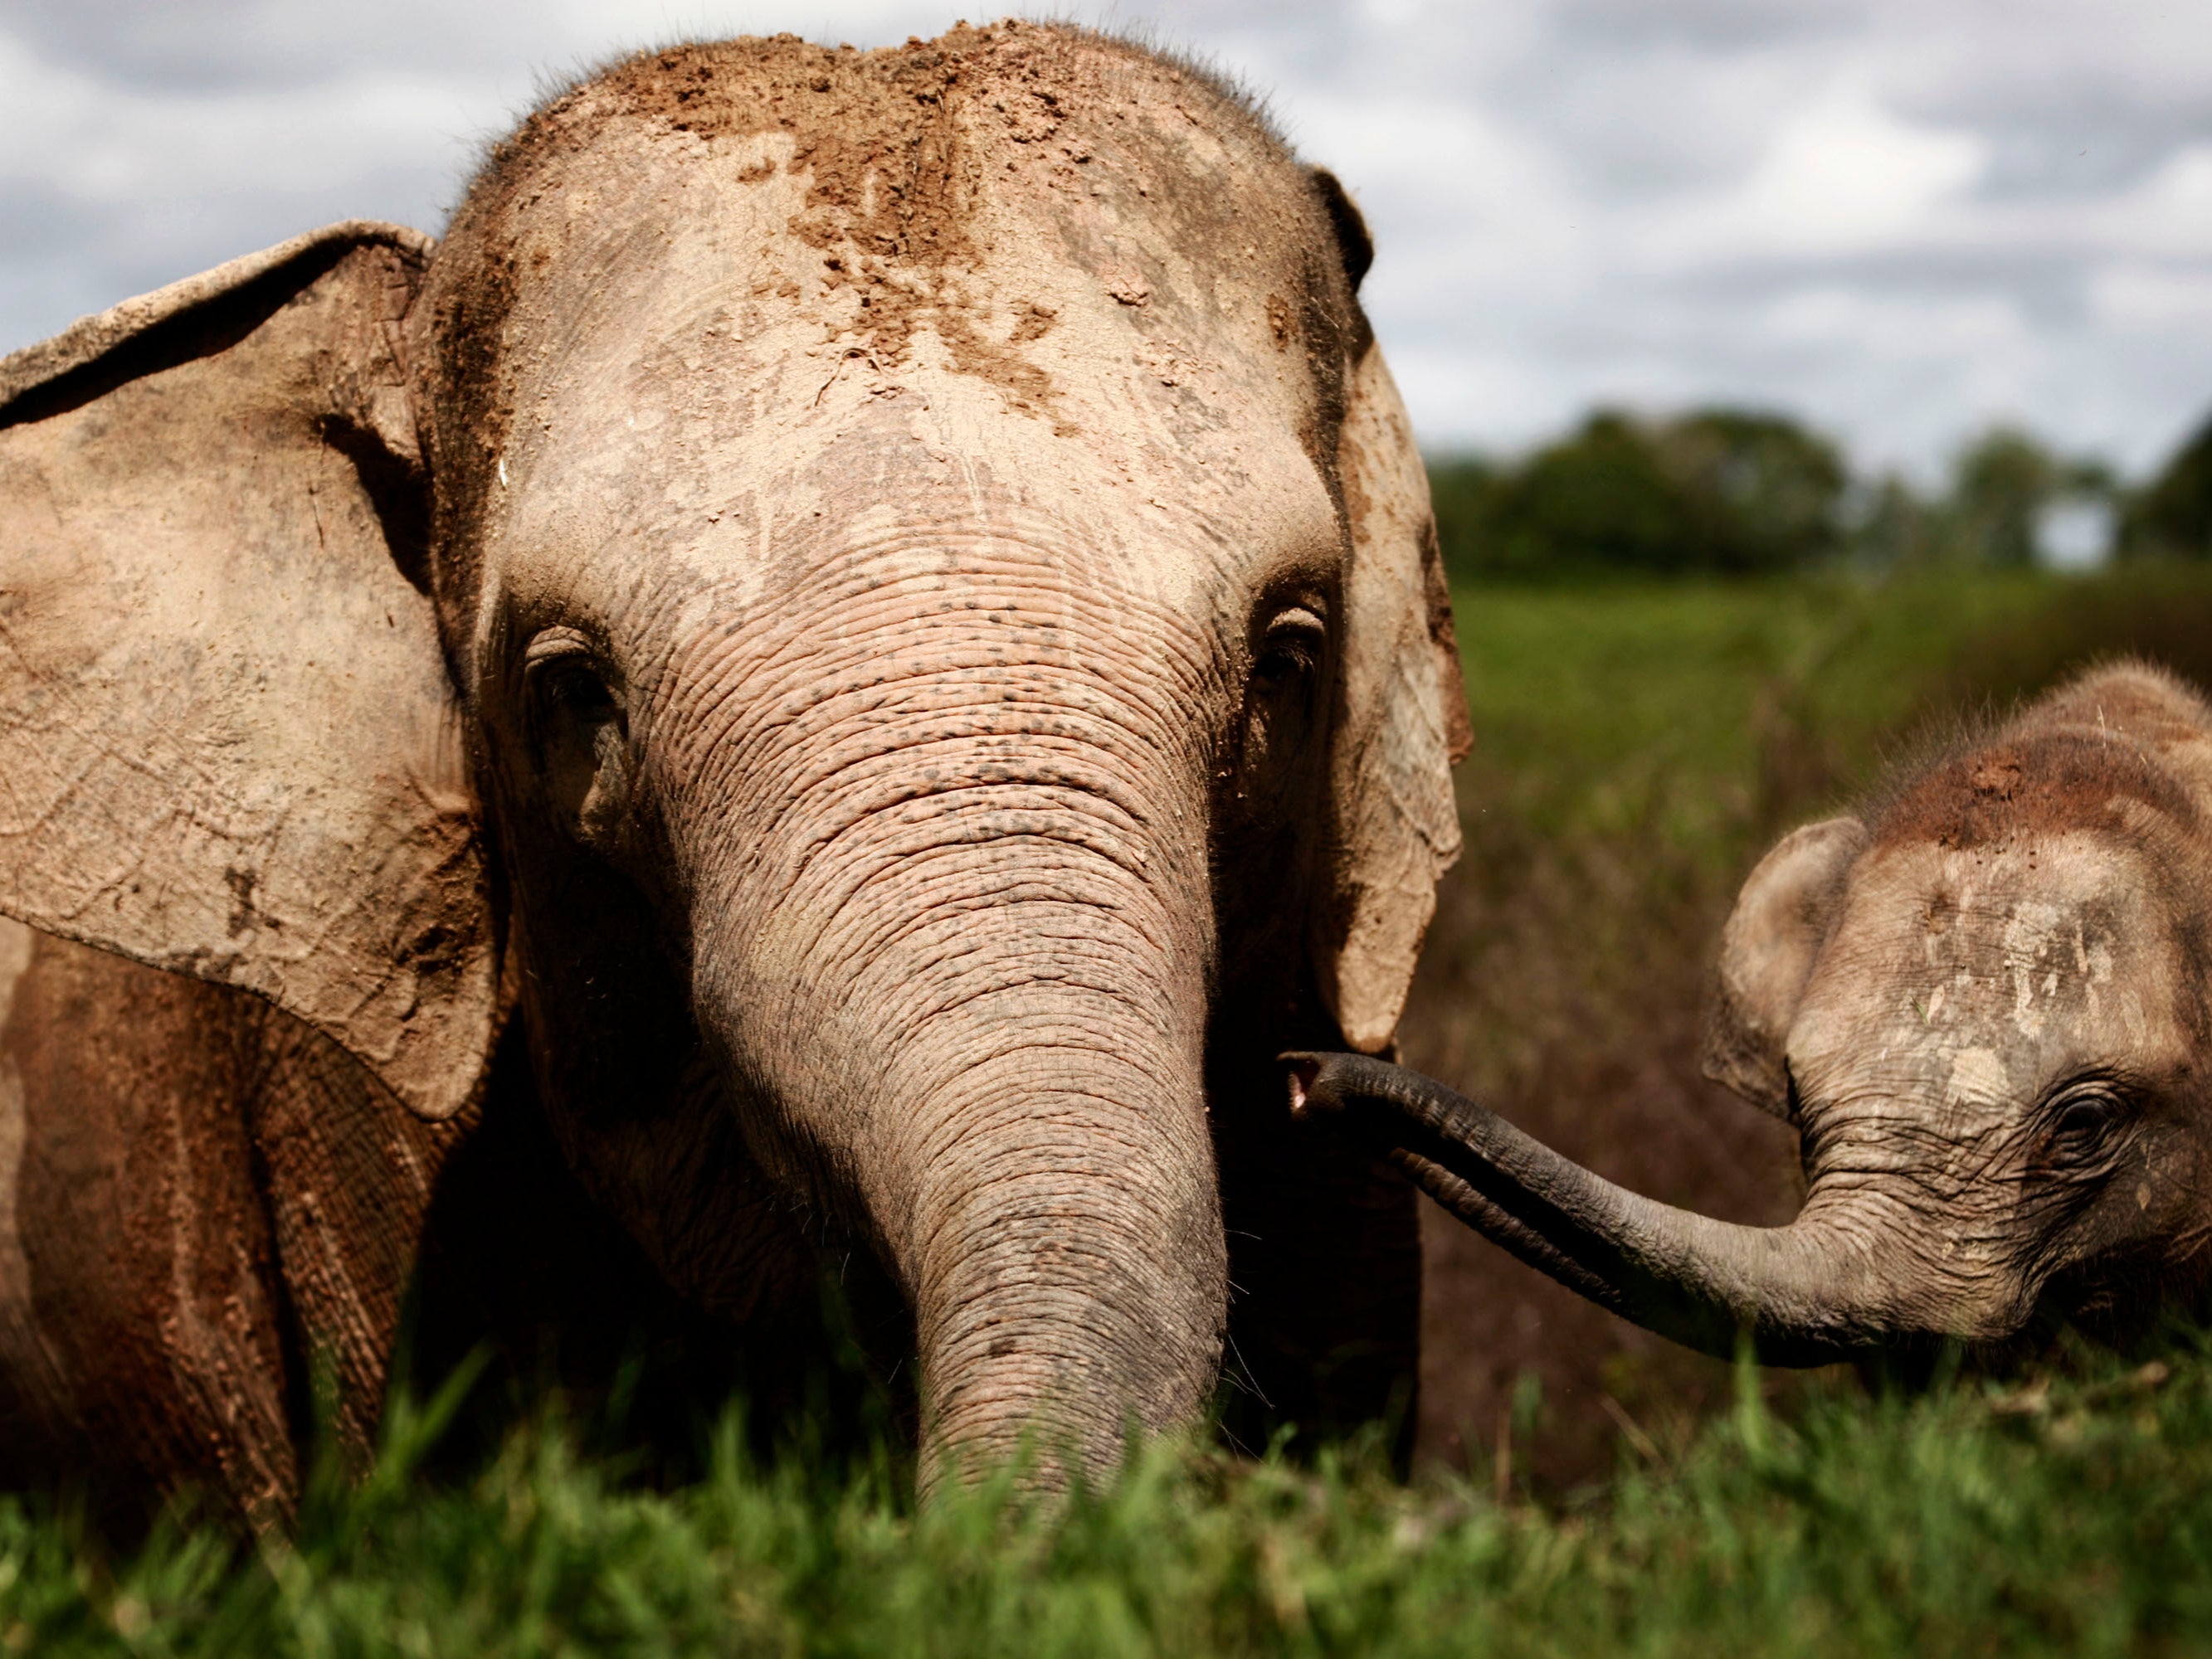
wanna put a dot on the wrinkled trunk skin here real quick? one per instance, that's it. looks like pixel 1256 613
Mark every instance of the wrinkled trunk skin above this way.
pixel 959 980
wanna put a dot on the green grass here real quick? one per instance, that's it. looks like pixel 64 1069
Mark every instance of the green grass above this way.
pixel 1638 745
pixel 1645 707
pixel 2072 1517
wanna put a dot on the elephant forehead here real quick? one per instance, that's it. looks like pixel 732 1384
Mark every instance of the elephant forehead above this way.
pixel 1979 976
pixel 916 494
pixel 709 323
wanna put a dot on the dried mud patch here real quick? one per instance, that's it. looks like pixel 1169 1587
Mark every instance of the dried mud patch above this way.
pixel 902 149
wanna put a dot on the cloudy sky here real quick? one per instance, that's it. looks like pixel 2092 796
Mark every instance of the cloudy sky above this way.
pixel 1902 218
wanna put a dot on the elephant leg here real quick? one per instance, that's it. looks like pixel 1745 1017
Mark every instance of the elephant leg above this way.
pixel 708 1288
pixel 143 1314
pixel 347 1173
pixel 40 1437
pixel 204 1203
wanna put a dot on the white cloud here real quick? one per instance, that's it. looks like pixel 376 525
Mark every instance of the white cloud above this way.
pixel 1901 218
pixel 2150 300
pixel 2170 213
pixel 1844 176
pixel 1895 327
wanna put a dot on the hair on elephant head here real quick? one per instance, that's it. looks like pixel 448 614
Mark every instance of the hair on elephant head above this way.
pixel 1983 1001
pixel 885 598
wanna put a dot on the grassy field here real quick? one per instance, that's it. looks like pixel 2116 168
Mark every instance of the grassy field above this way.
pixel 2066 1516
pixel 1587 1489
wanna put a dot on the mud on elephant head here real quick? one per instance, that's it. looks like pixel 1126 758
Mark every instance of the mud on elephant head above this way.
pixel 888 591
pixel 1984 1002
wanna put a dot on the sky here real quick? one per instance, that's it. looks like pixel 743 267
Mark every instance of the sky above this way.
pixel 1903 220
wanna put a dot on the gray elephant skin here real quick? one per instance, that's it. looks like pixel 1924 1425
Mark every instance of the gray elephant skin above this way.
pixel 838 667
pixel 1984 1002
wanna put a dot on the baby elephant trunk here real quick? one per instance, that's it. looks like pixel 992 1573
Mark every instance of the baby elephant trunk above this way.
pixel 1811 1293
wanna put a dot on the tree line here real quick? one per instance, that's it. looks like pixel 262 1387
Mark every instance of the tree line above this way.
pixel 1748 492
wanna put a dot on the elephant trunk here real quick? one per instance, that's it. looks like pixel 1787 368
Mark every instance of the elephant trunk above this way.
pixel 1066 1264
pixel 1818 1289
pixel 990 1099
pixel 959 979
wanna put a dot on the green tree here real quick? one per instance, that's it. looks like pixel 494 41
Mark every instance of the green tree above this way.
pixel 2000 483
pixel 1712 491
pixel 1763 492
pixel 1464 489
pixel 1895 526
pixel 2171 516
pixel 1597 498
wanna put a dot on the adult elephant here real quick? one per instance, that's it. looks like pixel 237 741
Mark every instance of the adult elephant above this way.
pixel 882 604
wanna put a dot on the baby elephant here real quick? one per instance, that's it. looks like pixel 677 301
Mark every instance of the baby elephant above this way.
pixel 1986 1003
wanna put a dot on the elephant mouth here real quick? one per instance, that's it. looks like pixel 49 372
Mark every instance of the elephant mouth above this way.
pixel 1815 1291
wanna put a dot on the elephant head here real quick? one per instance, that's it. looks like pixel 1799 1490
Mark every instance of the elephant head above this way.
pixel 1983 1004
pixel 891 592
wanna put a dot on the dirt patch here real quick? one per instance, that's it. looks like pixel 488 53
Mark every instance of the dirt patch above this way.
pixel 2080 761
pixel 2044 782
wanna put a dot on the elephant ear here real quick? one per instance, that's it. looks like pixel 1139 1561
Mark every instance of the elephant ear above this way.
pixel 228 744
pixel 1402 721
pixel 1780 921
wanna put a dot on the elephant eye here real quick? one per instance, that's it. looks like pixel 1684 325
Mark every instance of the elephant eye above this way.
pixel 565 681
pixel 578 732
pixel 1281 702
pixel 575 689
pixel 2080 1121
pixel 1290 651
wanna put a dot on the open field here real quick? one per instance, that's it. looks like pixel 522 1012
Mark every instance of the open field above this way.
pixel 1638 745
